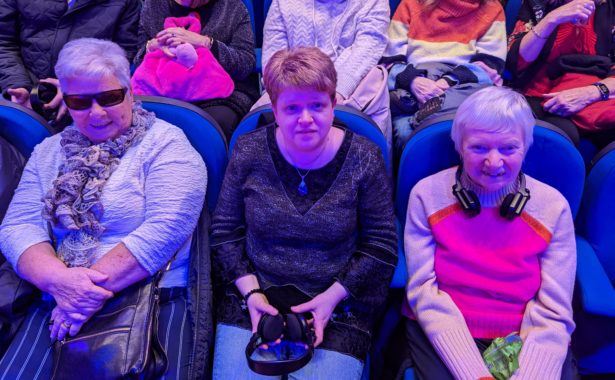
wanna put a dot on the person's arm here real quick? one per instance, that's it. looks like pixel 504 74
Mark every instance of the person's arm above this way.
pixel 439 317
pixel 353 64
pixel 127 29
pixel 275 35
pixel 237 56
pixel 175 184
pixel 13 73
pixel 575 11
pixel 547 321
pixel 371 266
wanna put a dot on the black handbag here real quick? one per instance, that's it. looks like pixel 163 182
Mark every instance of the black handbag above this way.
pixel 119 342
pixel 16 296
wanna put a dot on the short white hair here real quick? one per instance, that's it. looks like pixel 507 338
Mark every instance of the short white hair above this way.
pixel 94 58
pixel 494 110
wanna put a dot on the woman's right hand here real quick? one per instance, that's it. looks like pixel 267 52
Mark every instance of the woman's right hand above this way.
pixel 575 11
pixel 258 305
pixel 77 290
pixel 424 89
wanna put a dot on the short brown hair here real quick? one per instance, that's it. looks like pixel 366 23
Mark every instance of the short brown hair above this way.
pixel 304 67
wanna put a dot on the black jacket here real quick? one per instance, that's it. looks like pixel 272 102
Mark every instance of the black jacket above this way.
pixel 32 33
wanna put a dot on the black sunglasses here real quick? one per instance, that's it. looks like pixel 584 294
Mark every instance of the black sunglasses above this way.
pixel 104 99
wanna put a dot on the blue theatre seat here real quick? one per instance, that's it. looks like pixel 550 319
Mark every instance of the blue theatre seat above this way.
pixel 22 127
pixel 594 339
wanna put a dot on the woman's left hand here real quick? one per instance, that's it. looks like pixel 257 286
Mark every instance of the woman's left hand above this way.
pixel 64 323
pixel 322 307
pixel 175 36
pixel 568 102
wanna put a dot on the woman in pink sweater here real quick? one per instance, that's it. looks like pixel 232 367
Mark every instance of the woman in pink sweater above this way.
pixel 486 259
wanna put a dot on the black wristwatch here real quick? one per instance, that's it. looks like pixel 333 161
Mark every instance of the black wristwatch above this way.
pixel 604 90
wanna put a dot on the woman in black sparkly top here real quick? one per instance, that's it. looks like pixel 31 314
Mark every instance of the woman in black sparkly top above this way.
pixel 304 223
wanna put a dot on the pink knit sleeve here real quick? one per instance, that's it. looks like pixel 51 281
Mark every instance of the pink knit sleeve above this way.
pixel 436 312
pixel 547 322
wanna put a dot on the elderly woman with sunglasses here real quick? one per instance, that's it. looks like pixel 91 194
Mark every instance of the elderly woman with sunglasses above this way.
pixel 121 192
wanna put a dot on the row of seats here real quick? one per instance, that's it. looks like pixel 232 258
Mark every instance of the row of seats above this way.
pixel 552 159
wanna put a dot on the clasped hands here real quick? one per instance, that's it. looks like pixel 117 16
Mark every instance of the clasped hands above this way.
pixel 79 295
pixel 175 36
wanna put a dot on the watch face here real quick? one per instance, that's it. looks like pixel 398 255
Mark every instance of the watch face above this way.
pixel 604 90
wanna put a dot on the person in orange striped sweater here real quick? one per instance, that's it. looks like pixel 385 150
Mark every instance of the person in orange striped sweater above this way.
pixel 441 47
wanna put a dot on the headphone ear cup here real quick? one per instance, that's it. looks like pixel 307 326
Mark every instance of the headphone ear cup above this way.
pixel 270 327
pixel 295 327
pixel 505 211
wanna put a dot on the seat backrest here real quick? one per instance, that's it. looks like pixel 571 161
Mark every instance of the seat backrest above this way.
pixel 22 127
pixel 203 133
pixel 596 220
pixel 511 12
pixel 356 121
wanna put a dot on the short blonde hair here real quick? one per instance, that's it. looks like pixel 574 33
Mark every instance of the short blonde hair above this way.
pixel 304 67
pixel 494 110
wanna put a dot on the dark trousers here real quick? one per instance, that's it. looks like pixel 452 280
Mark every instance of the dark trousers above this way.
pixel 226 118
pixel 563 123
pixel 30 355
pixel 428 365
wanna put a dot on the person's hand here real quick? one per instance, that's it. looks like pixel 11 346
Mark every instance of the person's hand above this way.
pixel 172 37
pixel 442 84
pixel 20 96
pixel 76 290
pixel 568 102
pixel 424 89
pixel 496 79
pixel 322 307
pixel 56 102
pixel 63 323
pixel 575 11
pixel 339 98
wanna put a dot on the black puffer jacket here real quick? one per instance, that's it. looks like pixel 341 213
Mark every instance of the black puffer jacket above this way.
pixel 32 33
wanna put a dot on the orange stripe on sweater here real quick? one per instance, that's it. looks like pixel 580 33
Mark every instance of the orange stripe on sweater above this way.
pixel 538 227
pixel 437 25
pixel 441 214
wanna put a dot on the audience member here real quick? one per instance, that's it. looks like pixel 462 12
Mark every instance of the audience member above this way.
pixel 439 52
pixel 122 192
pixel 305 210
pixel 561 57
pixel 352 33
pixel 226 31
pixel 482 263
pixel 33 33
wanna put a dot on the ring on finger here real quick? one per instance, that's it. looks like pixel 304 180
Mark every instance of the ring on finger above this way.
pixel 66 324
pixel 172 34
pixel 51 322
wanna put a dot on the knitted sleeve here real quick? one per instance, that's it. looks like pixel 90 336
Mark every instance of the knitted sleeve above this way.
pixel 353 64
pixel 397 47
pixel 274 33
pixel 237 56
pixel 370 268
pixel 435 311
pixel 228 228
pixel 547 321
pixel 23 225
pixel 175 183
pixel 491 46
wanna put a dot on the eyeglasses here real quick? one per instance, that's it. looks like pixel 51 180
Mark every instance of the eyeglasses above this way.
pixel 104 99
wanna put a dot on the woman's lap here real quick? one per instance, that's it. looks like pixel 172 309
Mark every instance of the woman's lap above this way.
pixel 30 355
pixel 428 365
pixel 230 361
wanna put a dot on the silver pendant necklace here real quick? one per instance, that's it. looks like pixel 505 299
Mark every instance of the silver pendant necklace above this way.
pixel 303 188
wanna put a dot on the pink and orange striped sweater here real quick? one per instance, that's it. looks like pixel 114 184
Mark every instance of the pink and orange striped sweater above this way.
pixel 485 277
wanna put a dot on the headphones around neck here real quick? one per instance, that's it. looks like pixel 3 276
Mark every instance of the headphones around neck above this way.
pixel 288 327
pixel 511 207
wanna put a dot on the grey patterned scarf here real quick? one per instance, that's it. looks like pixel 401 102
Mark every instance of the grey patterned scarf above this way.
pixel 74 200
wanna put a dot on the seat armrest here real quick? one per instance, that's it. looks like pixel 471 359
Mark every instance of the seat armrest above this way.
pixel 400 277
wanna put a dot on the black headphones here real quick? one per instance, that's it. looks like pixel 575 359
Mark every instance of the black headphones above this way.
pixel 40 95
pixel 511 207
pixel 289 327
